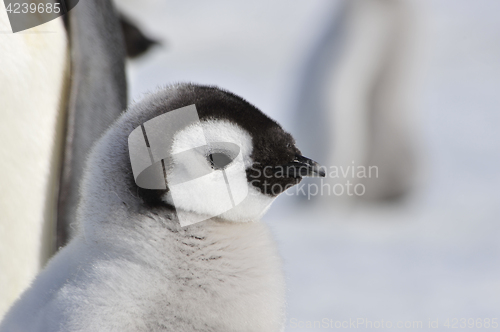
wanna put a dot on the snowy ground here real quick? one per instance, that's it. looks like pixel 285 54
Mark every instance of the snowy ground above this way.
pixel 434 257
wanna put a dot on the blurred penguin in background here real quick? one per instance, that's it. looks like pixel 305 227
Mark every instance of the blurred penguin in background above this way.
pixel 360 81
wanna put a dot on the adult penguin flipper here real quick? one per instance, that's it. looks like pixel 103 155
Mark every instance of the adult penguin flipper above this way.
pixel 136 42
pixel 98 94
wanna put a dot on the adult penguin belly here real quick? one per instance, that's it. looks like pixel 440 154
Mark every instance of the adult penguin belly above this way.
pixel 33 87
pixel 50 121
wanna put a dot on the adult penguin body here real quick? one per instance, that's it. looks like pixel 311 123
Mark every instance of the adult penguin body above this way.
pixel 132 267
pixel 59 92
pixel 34 77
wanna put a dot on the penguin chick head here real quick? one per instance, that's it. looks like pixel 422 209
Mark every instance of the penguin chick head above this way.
pixel 242 152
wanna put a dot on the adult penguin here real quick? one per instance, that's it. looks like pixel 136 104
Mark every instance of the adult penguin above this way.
pixel 361 82
pixel 41 130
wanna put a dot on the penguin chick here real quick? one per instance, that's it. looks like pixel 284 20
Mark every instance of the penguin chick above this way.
pixel 132 267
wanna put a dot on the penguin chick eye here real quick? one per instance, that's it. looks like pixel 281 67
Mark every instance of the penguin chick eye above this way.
pixel 219 160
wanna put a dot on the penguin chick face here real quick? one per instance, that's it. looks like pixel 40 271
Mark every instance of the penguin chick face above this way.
pixel 229 165
pixel 233 147
pixel 223 159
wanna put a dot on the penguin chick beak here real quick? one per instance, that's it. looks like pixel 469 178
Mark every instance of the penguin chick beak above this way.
pixel 300 167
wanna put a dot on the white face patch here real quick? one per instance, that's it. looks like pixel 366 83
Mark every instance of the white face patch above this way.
pixel 207 174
